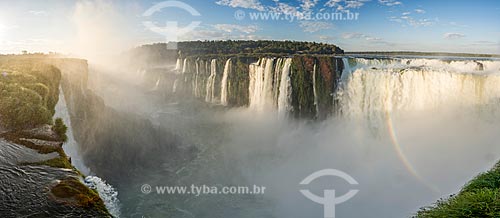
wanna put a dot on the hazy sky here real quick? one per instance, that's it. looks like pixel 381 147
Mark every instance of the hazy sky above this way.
pixel 419 25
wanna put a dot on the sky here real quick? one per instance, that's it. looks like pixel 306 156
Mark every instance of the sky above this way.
pixel 355 25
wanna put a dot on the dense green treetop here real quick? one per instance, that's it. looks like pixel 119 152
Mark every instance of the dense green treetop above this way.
pixel 29 91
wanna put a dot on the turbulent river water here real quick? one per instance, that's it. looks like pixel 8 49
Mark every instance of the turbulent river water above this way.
pixel 408 130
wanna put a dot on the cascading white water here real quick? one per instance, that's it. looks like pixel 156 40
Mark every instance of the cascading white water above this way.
pixel 107 193
pixel 278 71
pixel 224 83
pixel 347 70
pixel 377 86
pixel 315 92
pixel 195 85
pixel 70 146
pixel 184 70
pixel 261 84
pixel 285 88
pixel 184 66
pixel 174 87
pixel 178 65
pixel 210 94
pixel 178 70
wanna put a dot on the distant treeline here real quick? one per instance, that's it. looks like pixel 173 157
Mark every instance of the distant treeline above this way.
pixel 158 52
pixel 412 53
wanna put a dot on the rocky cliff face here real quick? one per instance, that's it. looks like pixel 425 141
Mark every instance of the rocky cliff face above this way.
pixel 37 177
pixel 298 86
pixel 109 137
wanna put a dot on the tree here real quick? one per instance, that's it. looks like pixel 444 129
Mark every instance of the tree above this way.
pixel 60 129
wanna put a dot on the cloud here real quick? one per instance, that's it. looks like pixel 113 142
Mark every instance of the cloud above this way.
pixel 223 32
pixel 390 2
pixel 455 24
pixel 307 5
pixel 407 20
pixel 342 5
pixel 396 19
pixel 314 26
pixel 453 36
pixel 250 4
pixel 406 13
pixel 353 35
pixel 420 22
pixel 283 8
pixel 485 43
pixel 326 38
pixel 38 13
pixel 230 28
pixel 420 11
pixel 365 37
pixel 212 34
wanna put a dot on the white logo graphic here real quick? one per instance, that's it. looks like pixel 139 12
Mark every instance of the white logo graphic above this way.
pixel 171 31
pixel 329 200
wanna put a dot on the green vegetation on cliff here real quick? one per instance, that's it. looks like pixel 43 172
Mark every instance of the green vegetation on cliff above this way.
pixel 72 191
pixel 60 129
pixel 29 91
pixel 256 47
pixel 479 198
pixel 158 53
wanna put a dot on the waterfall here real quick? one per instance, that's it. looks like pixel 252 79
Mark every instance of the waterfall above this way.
pixel 70 147
pixel 195 85
pixel 347 70
pixel 278 70
pixel 178 70
pixel 210 95
pixel 270 84
pixel 178 65
pixel 377 86
pixel 285 88
pixel 315 92
pixel 174 87
pixel 261 84
pixel 184 66
pixel 224 84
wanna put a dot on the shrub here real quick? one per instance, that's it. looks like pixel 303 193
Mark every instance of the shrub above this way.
pixel 60 129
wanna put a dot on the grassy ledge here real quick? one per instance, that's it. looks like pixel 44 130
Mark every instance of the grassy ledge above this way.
pixel 478 198
pixel 72 192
